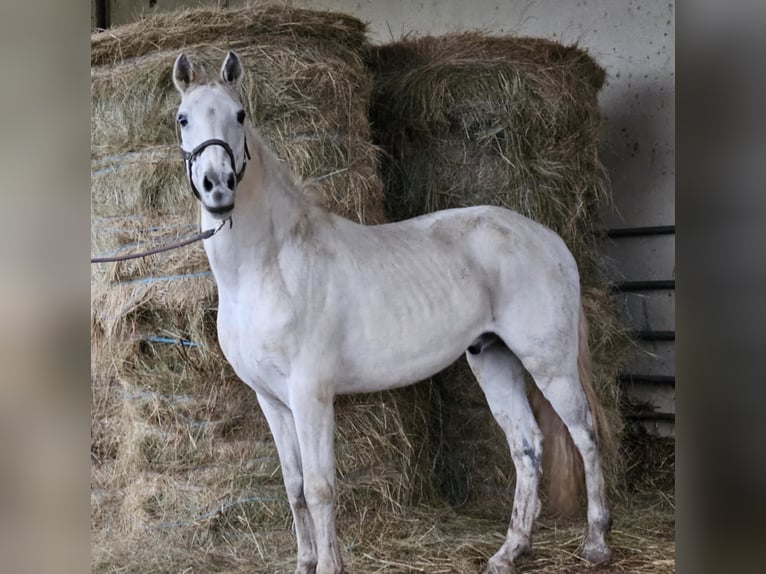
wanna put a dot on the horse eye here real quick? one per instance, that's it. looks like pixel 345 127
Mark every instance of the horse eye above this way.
pixel 183 120
pixel 241 116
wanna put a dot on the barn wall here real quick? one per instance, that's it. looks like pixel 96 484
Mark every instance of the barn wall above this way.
pixel 634 40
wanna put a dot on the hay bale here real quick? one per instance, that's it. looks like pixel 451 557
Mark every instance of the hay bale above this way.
pixel 467 119
pixel 306 89
pixel 381 452
pixel 105 436
pixel 174 30
pixel 145 182
pixel 184 431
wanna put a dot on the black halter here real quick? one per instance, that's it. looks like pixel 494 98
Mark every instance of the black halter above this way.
pixel 189 158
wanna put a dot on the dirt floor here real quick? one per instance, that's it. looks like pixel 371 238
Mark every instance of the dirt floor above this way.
pixel 432 539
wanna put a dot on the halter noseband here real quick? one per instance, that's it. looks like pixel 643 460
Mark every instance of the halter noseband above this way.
pixel 189 158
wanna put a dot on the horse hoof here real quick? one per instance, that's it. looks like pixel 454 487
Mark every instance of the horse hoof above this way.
pixel 596 554
pixel 498 567
pixel 307 568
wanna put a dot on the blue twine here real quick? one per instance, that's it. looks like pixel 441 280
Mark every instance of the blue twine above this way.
pixel 154 228
pixel 105 170
pixel 151 395
pixel 117 162
pixel 116 217
pixel 193 423
pixel 184 342
pixel 166 278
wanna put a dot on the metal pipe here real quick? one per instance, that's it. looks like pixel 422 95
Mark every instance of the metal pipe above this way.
pixel 659 380
pixel 652 416
pixel 631 286
pixel 102 14
pixel 641 231
pixel 649 335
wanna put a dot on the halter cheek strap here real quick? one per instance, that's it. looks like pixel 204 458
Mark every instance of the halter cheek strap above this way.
pixel 190 156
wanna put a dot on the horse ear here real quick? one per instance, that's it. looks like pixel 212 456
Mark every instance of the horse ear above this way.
pixel 183 73
pixel 231 71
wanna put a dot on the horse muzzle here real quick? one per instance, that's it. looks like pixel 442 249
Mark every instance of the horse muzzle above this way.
pixel 219 211
pixel 217 191
pixel 218 188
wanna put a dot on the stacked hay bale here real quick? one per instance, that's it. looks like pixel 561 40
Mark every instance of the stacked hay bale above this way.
pixel 468 119
pixel 181 451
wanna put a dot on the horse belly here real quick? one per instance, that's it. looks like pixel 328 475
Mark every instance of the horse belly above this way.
pixel 411 338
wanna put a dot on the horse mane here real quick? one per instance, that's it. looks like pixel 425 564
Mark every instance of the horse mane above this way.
pixel 303 195
pixel 311 189
pixel 307 188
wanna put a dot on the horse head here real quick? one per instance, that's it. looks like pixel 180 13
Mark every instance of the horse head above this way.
pixel 211 121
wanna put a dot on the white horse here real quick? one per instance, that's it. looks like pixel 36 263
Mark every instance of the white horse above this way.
pixel 312 305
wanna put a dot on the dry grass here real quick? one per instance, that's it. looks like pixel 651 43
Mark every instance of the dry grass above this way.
pixel 432 539
pixel 237 531
pixel 173 31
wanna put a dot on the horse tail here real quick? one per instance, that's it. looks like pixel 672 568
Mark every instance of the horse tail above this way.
pixel 563 476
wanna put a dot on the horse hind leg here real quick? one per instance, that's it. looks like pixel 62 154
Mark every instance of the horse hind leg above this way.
pixel 501 377
pixel 559 382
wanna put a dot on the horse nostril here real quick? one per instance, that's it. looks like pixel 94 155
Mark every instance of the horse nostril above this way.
pixel 230 181
pixel 207 184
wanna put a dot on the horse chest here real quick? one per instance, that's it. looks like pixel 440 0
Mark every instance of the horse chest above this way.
pixel 257 345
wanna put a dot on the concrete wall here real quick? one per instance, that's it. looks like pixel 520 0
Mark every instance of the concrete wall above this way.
pixel 635 41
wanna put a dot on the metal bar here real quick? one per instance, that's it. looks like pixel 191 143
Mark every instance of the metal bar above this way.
pixel 641 231
pixel 659 380
pixel 655 335
pixel 102 14
pixel 650 416
pixel 633 286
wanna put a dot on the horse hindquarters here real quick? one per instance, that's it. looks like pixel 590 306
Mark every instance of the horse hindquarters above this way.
pixel 561 372
pixel 539 317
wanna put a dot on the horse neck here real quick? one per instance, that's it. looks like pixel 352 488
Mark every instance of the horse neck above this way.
pixel 269 208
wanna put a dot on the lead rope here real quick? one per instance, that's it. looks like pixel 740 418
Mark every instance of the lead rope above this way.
pixel 208 233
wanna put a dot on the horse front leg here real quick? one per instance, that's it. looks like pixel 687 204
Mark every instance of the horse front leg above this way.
pixel 313 413
pixel 282 427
